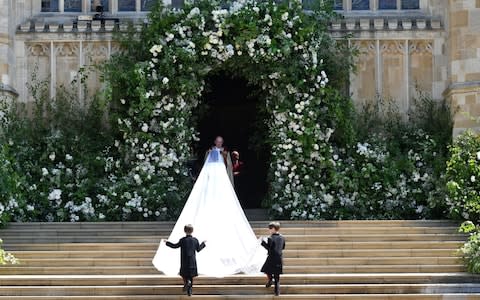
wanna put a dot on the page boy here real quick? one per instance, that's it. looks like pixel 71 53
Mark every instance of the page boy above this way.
pixel 273 266
pixel 188 263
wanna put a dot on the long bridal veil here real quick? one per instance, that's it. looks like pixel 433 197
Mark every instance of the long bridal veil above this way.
pixel 217 217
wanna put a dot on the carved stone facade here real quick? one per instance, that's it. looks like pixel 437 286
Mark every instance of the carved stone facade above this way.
pixel 405 46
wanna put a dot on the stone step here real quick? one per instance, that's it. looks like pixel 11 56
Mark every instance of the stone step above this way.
pixel 241 289
pixel 265 296
pixel 323 260
pixel 304 245
pixel 254 224
pixel 290 238
pixel 91 231
pixel 122 270
pixel 297 262
pixel 289 279
pixel 286 253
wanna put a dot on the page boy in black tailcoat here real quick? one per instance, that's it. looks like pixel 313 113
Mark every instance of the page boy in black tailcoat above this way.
pixel 188 263
pixel 273 266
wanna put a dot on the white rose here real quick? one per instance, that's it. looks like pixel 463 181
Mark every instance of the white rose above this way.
pixel 44 172
pixel 137 179
pixel 145 127
pixel 169 37
pixel 165 80
pixel 52 156
pixel 478 155
pixel 68 157
pixel 55 194
pixel 472 178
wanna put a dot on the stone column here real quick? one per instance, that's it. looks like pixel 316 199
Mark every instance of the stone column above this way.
pixel 464 63
pixel 7 60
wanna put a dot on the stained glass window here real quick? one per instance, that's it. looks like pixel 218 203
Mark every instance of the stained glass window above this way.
pixel 126 5
pixel 338 4
pixel 360 4
pixel 410 4
pixel 177 3
pixel 387 4
pixel 49 5
pixel 104 3
pixel 72 5
pixel 148 4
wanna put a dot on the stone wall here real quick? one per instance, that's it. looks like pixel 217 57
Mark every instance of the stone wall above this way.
pixel 55 54
pixel 7 67
pixel 434 50
pixel 464 62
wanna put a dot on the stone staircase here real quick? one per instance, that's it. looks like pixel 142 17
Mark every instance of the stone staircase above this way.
pixel 341 260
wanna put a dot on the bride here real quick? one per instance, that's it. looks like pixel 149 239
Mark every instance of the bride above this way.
pixel 215 212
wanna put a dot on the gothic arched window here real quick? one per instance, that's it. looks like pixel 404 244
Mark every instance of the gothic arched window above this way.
pixel 338 4
pixel 360 4
pixel 104 4
pixel 147 4
pixel 126 5
pixel 72 5
pixel 387 4
pixel 410 4
pixel 49 5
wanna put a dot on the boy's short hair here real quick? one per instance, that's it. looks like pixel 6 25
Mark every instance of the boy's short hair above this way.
pixel 275 225
pixel 188 229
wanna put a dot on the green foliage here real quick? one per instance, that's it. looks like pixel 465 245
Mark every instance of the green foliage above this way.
pixel 124 157
pixel 392 167
pixel 471 249
pixel 463 174
pixel 10 185
pixel 52 148
pixel 157 81
pixel 7 257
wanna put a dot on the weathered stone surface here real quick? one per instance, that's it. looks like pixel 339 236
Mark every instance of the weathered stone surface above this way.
pixel 435 49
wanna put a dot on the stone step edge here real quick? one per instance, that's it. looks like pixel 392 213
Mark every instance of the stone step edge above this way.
pixel 261 223
pixel 245 286
pixel 446 296
pixel 242 279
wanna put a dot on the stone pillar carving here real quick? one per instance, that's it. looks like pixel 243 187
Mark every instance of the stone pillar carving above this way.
pixel 67 56
pixel 363 81
pixel 393 60
pixel 420 66
pixel 38 65
pixel 464 63
pixel 95 53
pixel 7 58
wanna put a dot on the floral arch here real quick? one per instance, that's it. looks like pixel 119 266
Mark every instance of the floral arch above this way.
pixel 157 82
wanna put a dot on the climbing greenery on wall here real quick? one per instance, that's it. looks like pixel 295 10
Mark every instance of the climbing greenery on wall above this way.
pixel 123 154
pixel 278 48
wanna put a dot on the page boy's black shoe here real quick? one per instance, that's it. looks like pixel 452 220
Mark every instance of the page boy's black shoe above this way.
pixel 277 290
pixel 269 284
pixel 189 288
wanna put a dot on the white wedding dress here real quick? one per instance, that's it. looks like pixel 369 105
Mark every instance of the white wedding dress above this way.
pixel 217 217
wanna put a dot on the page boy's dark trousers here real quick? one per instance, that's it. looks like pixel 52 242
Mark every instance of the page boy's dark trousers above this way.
pixel 188 285
pixel 276 278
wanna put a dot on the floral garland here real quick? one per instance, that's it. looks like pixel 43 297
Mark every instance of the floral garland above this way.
pixel 275 48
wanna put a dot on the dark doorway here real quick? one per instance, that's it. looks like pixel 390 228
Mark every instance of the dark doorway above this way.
pixel 231 111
